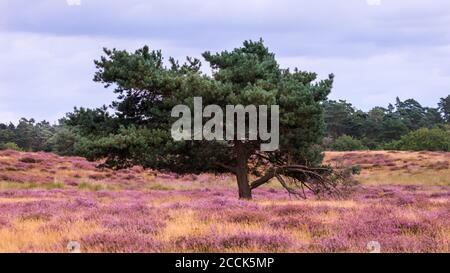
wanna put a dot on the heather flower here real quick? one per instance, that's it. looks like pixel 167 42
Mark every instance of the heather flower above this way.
pixel 266 242
pixel 71 182
pixel 120 242
pixel 197 243
pixel 79 203
pixel 290 210
pixel 245 216
pixel 31 160
pixel 287 222
pixel 406 243
pixel 4 222
pixel 140 225
pixel 96 176
pixel 337 243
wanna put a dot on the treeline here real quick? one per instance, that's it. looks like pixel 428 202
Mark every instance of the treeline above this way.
pixel 68 137
pixel 28 135
pixel 405 125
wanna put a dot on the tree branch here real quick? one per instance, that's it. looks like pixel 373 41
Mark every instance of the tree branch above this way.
pixel 263 179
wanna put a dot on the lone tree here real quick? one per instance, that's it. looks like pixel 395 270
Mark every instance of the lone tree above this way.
pixel 250 75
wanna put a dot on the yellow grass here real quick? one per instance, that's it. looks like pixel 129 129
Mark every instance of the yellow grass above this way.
pixel 28 235
pixel 420 170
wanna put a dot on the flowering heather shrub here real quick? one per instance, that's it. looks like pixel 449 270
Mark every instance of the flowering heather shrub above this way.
pixel 442 194
pixel 20 166
pixel 416 227
pixel 11 153
pixel 220 203
pixel 81 163
pixel 48 171
pixel 370 221
pixel 404 243
pixel 120 242
pixel 71 182
pixel 81 203
pixel 245 216
pixel 412 188
pixel 22 178
pixel 362 158
pixel 96 176
pixel 287 210
pixel 30 160
pixel 129 176
pixel 12 178
pixel 134 225
pixel 404 200
pixel 287 222
pixel 336 243
pixel 36 210
pixel 315 227
pixel 197 243
pixel 4 222
pixel 439 165
pixel 265 242
pixel 54 227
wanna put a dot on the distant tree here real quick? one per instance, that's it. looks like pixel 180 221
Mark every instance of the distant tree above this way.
pixel 65 141
pixel 444 108
pixel 347 143
pixel 7 133
pixel 341 118
pixel 432 117
pixel 411 113
pixel 92 122
pixel 24 133
pixel 373 126
pixel 27 135
pixel 382 125
pixel 392 128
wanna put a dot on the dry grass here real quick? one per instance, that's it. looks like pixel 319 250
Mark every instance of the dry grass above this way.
pixel 397 167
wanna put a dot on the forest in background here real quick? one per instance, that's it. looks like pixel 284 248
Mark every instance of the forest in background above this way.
pixel 404 125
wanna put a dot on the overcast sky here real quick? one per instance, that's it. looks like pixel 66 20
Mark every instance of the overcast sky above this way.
pixel 378 49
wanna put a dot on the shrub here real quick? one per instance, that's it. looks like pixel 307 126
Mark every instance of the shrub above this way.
pixel 30 160
pixel 10 146
pixel 425 139
pixel 390 146
pixel 347 143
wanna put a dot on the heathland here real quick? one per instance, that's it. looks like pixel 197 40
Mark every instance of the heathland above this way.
pixel 46 201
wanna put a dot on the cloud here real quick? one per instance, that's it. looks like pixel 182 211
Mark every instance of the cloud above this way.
pixel 44 76
pixel 377 52
pixel 379 79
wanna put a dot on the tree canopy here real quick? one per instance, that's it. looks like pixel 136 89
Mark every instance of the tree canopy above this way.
pixel 249 75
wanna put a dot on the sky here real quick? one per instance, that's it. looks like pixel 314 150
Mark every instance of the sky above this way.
pixel 377 49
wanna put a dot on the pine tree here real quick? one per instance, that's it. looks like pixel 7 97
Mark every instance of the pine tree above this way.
pixel 249 75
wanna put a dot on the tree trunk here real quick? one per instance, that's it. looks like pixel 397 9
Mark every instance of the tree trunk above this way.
pixel 242 172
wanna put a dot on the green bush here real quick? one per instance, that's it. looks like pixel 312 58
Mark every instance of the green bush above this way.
pixel 347 143
pixel 393 145
pixel 425 140
pixel 64 141
pixel 9 146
